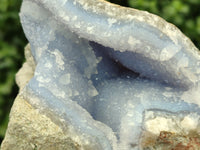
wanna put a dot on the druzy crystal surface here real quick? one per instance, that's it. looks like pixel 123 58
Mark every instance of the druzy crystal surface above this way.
pixel 112 76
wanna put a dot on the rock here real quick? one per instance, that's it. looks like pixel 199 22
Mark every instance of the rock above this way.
pixel 27 70
pixel 29 130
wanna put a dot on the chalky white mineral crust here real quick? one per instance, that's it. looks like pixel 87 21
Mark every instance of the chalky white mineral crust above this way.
pixel 110 74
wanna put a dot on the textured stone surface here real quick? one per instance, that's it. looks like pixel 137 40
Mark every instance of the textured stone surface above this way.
pixel 29 130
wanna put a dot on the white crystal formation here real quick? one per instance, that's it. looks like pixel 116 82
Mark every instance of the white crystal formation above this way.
pixel 110 74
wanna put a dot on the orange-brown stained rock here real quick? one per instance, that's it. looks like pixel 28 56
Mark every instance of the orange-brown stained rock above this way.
pixel 173 141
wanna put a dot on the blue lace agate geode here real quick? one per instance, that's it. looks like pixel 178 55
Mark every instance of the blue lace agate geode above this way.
pixel 111 76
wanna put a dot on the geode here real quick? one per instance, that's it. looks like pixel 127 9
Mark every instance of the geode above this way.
pixel 114 77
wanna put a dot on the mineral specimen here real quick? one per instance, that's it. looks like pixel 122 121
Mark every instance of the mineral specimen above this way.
pixel 113 77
